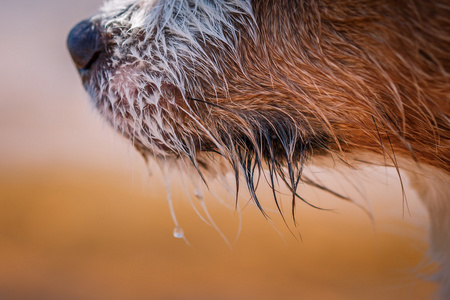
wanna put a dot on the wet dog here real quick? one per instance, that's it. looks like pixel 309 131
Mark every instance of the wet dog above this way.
pixel 276 84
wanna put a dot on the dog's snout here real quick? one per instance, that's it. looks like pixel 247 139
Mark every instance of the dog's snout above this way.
pixel 85 44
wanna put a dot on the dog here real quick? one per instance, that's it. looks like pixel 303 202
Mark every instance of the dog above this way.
pixel 244 86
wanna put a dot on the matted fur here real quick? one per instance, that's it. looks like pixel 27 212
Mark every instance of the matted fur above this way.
pixel 270 84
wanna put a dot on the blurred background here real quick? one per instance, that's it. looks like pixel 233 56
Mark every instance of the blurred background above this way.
pixel 81 218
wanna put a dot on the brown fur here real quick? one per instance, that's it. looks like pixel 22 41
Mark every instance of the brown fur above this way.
pixel 353 76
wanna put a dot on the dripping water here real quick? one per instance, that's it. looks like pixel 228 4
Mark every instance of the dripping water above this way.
pixel 178 232
pixel 167 175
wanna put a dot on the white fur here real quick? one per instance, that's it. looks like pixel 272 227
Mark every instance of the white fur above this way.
pixel 434 189
pixel 173 32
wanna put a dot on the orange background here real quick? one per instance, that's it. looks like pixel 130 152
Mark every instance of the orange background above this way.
pixel 80 218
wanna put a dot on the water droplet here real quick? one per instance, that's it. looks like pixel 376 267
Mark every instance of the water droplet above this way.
pixel 178 232
pixel 198 193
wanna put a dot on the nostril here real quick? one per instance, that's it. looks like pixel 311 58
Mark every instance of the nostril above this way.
pixel 85 45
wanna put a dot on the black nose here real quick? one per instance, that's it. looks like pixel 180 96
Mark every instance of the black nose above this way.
pixel 85 45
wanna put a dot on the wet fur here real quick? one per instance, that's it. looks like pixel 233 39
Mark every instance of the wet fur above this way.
pixel 272 84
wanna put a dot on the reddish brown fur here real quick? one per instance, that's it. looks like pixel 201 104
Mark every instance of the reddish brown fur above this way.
pixel 369 75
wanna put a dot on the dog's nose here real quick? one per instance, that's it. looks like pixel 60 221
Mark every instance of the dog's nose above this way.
pixel 84 43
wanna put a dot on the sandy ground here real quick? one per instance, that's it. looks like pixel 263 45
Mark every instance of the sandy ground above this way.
pixel 80 218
